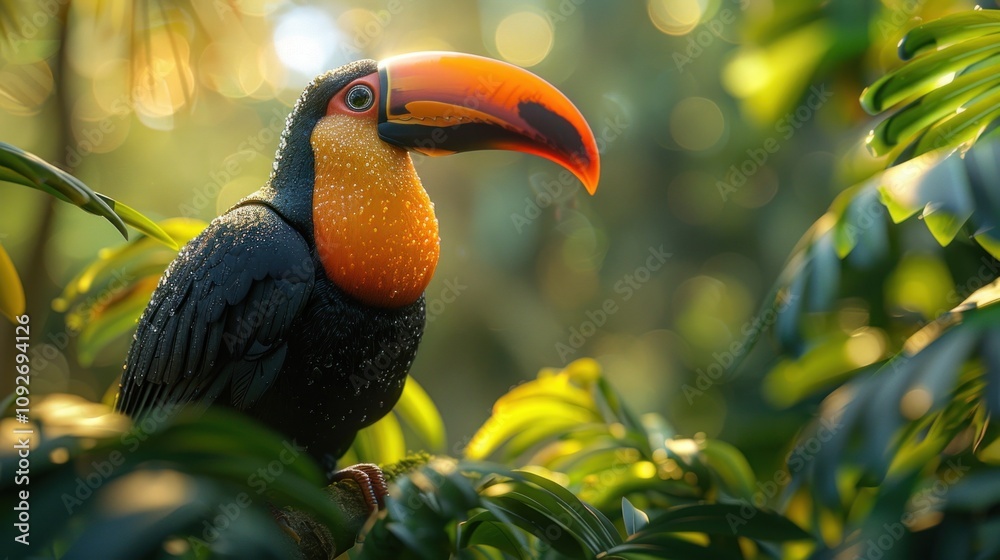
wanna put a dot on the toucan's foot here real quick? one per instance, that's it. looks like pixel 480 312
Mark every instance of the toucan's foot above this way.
pixel 282 519
pixel 370 479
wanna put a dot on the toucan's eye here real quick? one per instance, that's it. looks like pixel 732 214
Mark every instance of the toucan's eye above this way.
pixel 360 97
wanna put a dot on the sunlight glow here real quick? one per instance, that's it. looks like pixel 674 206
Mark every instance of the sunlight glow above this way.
pixel 305 39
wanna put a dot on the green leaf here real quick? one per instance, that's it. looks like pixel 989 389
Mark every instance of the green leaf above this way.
pixel 731 467
pixel 539 520
pixel 991 363
pixel 200 461
pixel 416 409
pixel 484 529
pixel 904 125
pixel 28 169
pixel 533 434
pixel 112 323
pixel 609 399
pixel 664 546
pixel 931 179
pixel 594 520
pixel 975 492
pixel 959 128
pixel 121 267
pixel 11 291
pixel 549 415
pixel 824 364
pixel 104 300
pixel 949 29
pixel 634 518
pixel 725 519
pixel 923 74
pixel 381 443
pixel 24 168
pixel 140 222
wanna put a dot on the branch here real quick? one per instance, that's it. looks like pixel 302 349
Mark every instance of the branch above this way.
pixel 316 541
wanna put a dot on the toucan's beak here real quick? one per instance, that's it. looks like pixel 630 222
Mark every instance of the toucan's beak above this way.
pixel 440 103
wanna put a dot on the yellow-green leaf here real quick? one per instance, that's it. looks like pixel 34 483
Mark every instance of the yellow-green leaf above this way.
pixel 140 222
pixel 11 291
pixel 381 443
pixel 416 409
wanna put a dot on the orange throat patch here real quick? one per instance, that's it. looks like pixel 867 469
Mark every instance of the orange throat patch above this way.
pixel 374 224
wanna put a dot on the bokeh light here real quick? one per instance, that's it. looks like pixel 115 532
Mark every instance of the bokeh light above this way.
pixel 25 87
pixel 524 38
pixel 305 39
pixel 696 123
pixel 676 17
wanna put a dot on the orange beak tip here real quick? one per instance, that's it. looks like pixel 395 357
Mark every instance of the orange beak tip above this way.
pixel 590 177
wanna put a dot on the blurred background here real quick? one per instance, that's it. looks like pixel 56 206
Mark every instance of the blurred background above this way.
pixel 726 128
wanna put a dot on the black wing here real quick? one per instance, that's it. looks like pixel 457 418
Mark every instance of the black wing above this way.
pixel 219 318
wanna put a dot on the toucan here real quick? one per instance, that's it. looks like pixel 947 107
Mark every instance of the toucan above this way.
pixel 284 306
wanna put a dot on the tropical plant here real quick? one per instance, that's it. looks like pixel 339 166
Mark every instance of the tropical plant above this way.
pixel 900 461
pixel 186 483
pixel 906 459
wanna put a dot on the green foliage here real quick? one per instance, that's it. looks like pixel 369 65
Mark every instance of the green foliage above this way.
pixel 949 86
pixel 904 434
pixel 23 168
pixel 897 359
pixel 103 302
pixel 204 482
pixel 573 423
pixel 571 498
pixel 101 484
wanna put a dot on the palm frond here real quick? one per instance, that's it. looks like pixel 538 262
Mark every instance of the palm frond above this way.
pixel 948 92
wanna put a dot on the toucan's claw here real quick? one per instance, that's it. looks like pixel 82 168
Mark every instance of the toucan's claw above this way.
pixel 282 519
pixel 370 480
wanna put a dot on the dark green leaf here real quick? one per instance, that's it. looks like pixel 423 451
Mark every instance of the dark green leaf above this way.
pixel 28 169
pixel 724 519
